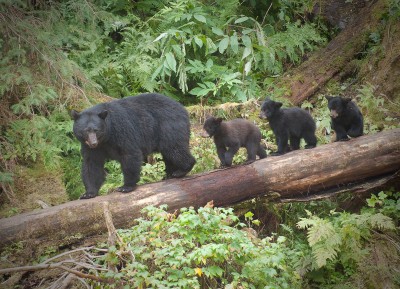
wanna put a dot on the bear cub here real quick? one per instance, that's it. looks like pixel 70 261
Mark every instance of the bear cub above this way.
pixel 231 135
pixel 128 130
pixel 346 118
pixel 289 124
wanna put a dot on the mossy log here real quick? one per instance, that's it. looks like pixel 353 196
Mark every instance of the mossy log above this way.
pixel 321 170
pixel 334 59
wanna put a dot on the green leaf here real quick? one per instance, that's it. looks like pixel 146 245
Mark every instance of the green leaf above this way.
pixel 161 36
pixel 234 43
pixel 246 52
pixel 246 40
pixel 171 62
pixel 217 31
pixel 247 31
pixel 198 41
pixel 247 67
pixel 241 19
pixel 223 45
pixel 215 271
pixel 199 91
pixel 200 18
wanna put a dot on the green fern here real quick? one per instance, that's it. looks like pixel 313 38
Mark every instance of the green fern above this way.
pixel 341 236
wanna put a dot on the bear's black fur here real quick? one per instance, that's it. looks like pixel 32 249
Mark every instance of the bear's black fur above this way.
pixel 347 119
pixel 289 124
pixel 127 130
pixel 231 135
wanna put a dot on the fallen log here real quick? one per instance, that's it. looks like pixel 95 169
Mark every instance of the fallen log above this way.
pixel 305 80
pixel 298 173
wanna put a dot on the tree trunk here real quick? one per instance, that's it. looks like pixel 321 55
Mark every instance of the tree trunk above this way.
pixel 326 63
pixel 323 169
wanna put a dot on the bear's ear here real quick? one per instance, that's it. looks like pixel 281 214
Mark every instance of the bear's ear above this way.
pixel 346 99
pixel 328 97
pixel 218 120
pixel 103 114
pixel 278 104
pixel 74 114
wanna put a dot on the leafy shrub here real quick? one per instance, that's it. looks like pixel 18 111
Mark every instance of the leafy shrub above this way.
pixel 387 203
pixel 203 249
pixel 375 114
pixel 221 57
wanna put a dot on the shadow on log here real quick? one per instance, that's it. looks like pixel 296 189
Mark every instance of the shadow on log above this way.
pixel 301 173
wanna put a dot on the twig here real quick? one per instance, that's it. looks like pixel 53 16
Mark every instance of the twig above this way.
pixel 55 284
pixel 44 266
pixel 266 13
pixel 67 253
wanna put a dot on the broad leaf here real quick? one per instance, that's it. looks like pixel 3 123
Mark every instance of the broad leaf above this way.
pixel 234 43
pixel 223 45
pixel 200 18
pixel 171 62
pixel 241 19
pixel 217 31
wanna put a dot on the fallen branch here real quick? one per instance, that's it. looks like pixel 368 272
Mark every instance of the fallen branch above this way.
pixel 66 278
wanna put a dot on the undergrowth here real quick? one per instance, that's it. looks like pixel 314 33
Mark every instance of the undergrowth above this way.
pixel 213 248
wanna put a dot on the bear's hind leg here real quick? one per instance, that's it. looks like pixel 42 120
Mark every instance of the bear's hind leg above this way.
pixel 178 162
pixel 261 152
pixel 311 140
pixel 251 152
pixel 356 130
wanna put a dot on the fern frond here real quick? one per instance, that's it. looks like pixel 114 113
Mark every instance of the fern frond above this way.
pixel 381 222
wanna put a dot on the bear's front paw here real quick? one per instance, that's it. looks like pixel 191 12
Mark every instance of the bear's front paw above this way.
pixel 126 189
pixel 344 139
pixel 88 195
pixel 179 174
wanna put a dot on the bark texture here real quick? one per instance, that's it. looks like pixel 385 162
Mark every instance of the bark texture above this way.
pixel 301 173
pixel 357 21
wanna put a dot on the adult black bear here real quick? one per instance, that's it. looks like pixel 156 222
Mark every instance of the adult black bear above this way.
pixel 231 135
pixel 346 118
pixel 289 124
pixel 127 130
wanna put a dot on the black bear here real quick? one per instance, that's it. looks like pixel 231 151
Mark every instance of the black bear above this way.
pixel 231 135
pixel 347 119
pixel 127 130
pixel 289 124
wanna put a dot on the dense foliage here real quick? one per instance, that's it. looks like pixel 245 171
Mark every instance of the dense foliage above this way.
pixel 201 249
pixel 58 55
pixel 212 248
pixel 61 55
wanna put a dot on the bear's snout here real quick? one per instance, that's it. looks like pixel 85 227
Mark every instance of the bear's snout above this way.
pixel 91 140
pixel 204 133
pixel 262 115
pixel 334 114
